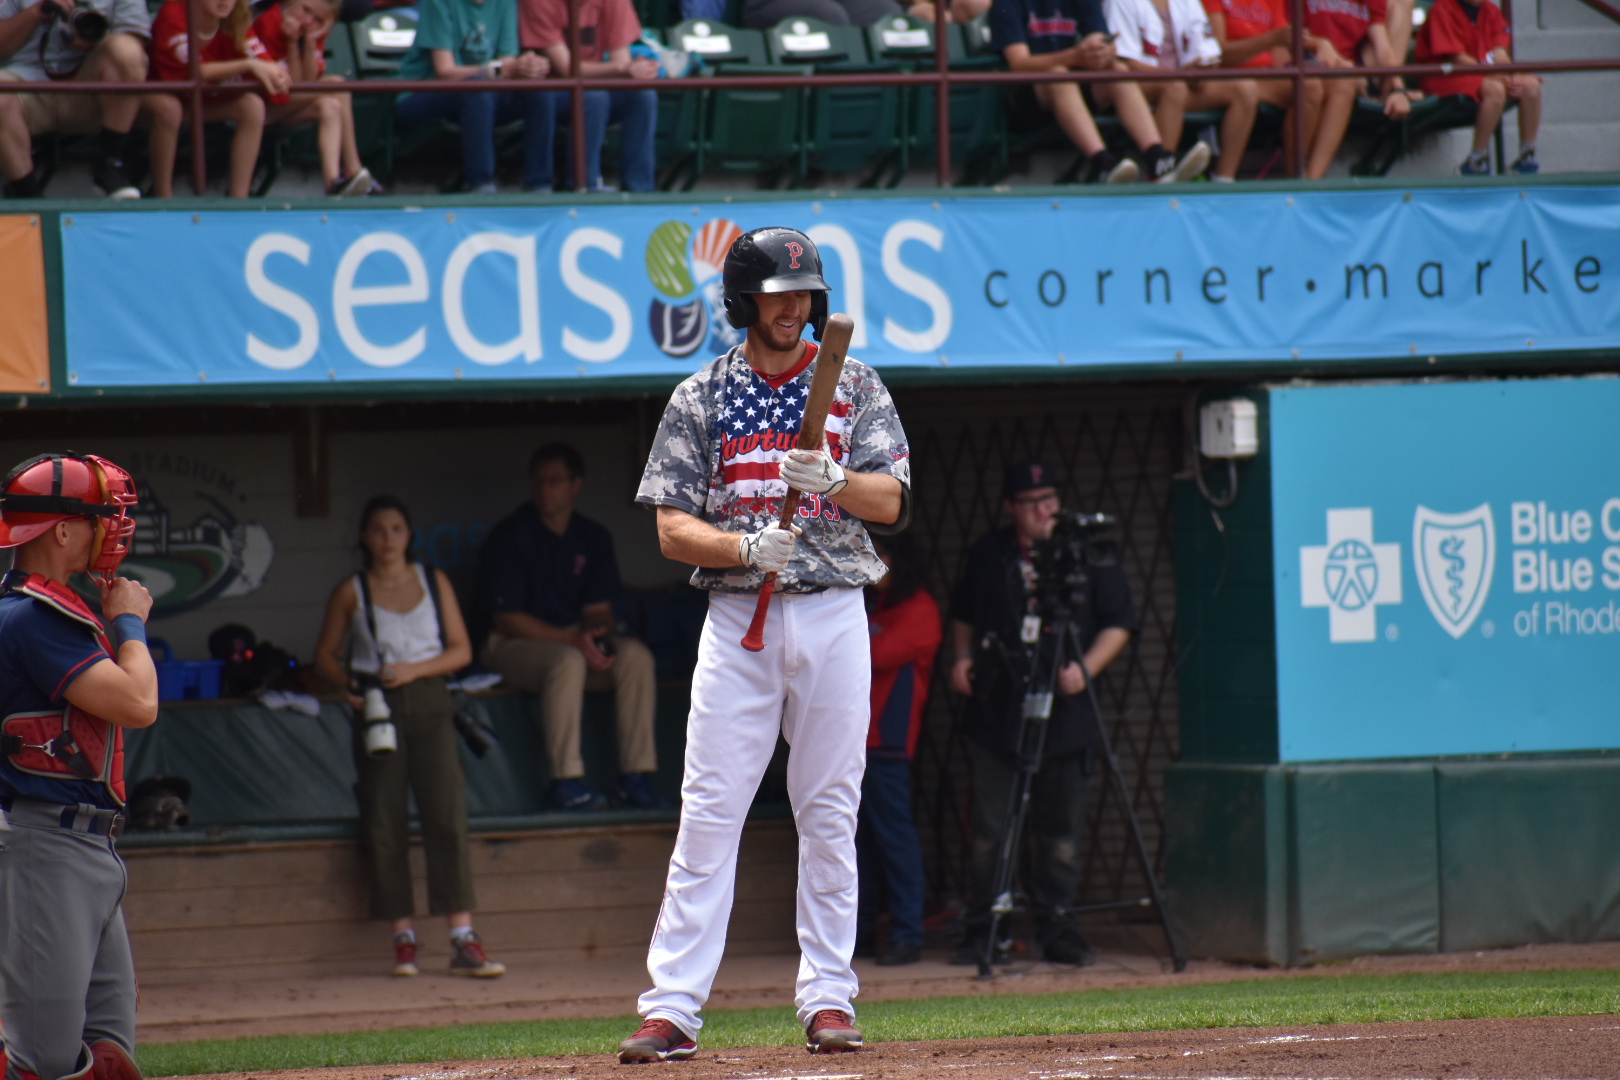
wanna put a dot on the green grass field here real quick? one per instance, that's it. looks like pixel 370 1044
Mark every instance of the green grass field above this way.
pixel 1314 999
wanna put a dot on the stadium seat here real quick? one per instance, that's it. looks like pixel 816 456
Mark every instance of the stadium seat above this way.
pixel 802 40
pixel 717 44
pixel 381 41
pixel 1391 139
pixel 755 130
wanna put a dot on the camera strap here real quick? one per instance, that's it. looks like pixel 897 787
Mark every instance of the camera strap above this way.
pixel 428 583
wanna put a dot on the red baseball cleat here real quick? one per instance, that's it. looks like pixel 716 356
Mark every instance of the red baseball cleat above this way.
pixel 832 1032
pixel 656 1040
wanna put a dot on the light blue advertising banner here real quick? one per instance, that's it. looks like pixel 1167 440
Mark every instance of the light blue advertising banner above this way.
pixel 238 297
pixel 1447 568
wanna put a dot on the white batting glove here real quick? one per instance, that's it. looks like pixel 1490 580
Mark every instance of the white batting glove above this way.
pixel 814 471
pixel 769 549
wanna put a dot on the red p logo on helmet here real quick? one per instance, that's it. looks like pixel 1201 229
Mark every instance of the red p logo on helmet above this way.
pixel 794 250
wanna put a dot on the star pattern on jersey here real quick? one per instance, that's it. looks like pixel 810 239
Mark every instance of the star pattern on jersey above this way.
pixel 752 406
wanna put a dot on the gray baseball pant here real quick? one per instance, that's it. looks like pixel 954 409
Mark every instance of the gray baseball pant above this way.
pixel 67 978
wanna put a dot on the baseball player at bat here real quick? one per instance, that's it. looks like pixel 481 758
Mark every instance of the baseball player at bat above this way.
pixel 718 473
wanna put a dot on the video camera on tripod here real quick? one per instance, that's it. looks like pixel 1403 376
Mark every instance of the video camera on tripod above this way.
pixel 1050 639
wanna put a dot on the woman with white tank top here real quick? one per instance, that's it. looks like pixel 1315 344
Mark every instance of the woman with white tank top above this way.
pixel 404 630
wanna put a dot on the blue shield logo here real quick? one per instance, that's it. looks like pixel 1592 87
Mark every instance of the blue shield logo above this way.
pixel 1454 555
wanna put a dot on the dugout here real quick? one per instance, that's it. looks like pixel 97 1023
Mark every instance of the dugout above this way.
pixel 1085 327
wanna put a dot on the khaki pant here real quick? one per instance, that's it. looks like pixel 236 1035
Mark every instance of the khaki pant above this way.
pixel 427 764
pixel 557 672
pixel 75 114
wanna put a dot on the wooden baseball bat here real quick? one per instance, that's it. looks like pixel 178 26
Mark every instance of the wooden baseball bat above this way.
pixel 823 383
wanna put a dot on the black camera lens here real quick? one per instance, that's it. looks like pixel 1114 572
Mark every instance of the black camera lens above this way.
pixel 89 25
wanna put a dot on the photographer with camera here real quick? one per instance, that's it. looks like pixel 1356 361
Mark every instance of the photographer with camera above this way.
pixel 547 579
pixel 405 635
pixel 999 606
pixel 85 40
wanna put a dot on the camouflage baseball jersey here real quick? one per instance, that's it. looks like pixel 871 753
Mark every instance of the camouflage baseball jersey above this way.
pixel 720 445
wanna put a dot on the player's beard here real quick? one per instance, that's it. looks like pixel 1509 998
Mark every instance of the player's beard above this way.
pixel 778 339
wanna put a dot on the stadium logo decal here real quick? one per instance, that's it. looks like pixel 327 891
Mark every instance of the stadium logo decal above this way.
pixel 1454 555
pixel 1350 575
pixel 684 267
pixel 186 566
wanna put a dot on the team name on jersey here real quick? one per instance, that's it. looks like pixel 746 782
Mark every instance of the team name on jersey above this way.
pixel 1339 7
pixel 1052 27
pixel 757 426
pixel 1251 12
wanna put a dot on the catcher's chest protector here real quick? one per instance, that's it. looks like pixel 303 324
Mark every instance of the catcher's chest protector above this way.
pixel 68 742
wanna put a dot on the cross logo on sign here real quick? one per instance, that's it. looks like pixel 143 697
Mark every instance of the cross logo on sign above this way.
pixel 1350 575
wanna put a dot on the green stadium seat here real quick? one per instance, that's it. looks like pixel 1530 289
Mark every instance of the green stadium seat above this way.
pixel 717 44
pixel 381 41
pixel 978 126
pixel 755 130
pixel 853 128
pixel 905 39
pixel 675 141
pixel 802 40
pixel 1390 139
pixel 657 14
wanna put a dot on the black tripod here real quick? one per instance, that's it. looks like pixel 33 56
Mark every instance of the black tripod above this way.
pixel 1057 644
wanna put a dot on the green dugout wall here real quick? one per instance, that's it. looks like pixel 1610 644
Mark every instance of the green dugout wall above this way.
pixel 1273 859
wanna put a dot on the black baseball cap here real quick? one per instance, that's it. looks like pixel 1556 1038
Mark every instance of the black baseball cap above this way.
pixel 1028 475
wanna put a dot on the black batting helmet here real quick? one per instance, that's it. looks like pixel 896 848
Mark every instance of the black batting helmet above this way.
pixel 773 260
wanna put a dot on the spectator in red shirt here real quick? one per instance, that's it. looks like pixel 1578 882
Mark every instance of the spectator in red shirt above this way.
pixel 1256 34
pixel 231 54
pixel 293 33
pixel 906 634
pixel 606 30
pixel 1346 34
pixel 1472 33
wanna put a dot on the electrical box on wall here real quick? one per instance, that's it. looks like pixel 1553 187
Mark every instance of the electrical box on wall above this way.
pixel 1229 429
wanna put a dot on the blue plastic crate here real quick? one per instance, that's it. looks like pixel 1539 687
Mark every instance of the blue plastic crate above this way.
pixel 184 680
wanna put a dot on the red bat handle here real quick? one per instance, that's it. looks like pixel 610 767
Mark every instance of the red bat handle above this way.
pixel 754 640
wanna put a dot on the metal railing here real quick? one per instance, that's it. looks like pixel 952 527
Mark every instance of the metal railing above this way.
pixel 942 78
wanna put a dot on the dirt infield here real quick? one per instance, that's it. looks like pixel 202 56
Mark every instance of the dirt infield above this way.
pixel 1551 1048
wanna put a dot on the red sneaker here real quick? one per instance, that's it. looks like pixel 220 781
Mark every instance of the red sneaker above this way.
pixel 832 1032
pixel 656 1040
pixel 405 955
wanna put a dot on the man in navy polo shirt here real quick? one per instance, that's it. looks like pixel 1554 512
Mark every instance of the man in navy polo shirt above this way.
pixel 1072 35
pixel 547 581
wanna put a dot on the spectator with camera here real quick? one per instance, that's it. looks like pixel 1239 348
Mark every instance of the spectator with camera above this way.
pixel 405 635
pixel 458 40
pixel 996 599
pixel 547 579
pixel 904 623
pixel 607 29
pixel 83 40
pixel 1073 35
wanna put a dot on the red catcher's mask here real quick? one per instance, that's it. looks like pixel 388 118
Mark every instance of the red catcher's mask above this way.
pixel 61 487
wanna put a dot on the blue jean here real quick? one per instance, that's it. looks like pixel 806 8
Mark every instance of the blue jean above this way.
pixel 637 112
pixel 479 114
pixel 887 849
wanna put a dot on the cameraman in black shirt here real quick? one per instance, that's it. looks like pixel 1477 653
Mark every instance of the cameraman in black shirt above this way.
pixel 995 596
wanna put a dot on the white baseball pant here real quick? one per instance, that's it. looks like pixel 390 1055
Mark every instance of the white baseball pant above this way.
pixel 813 684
